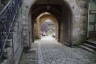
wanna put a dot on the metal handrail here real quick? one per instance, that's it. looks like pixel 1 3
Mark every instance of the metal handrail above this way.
pixel 5 7
pixel 12 7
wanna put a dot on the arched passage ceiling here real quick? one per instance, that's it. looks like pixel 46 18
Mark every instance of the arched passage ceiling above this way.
pixel 59 8
pixel 48 16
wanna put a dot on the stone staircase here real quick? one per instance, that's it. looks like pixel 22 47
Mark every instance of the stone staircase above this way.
pixel 7 52
pixel 89 45
pixel 7 22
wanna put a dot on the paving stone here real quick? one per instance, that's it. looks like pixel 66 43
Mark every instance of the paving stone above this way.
pixel 52 52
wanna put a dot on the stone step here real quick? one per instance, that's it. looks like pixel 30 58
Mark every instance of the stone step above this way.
pixel 90 46
pixel 6 51
pixel 3 58
pixel 6 55
pixel 91 42
pixel 8 43
pixel 87 48
pixel 5 34
pixel 5 62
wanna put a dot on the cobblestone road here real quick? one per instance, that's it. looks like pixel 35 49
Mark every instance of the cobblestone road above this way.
pixel 49 51
pixel 52 52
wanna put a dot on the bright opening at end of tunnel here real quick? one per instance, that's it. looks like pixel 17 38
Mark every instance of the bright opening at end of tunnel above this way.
pixel 46 25
pixel 48 29
pixel 48 38
pixel 48 20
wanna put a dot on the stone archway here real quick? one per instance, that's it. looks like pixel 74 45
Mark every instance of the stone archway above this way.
pixel 67 12
pixel 61 10
pixel 41 19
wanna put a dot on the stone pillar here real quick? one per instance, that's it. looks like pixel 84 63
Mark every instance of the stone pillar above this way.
pixel 38 28
pixel 84 19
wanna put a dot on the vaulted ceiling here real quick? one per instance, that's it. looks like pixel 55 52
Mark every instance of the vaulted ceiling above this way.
pixel 58 8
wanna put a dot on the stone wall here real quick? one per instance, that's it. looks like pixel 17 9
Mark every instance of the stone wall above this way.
pixel 25 27
pixel 26 22
pixel 17 38
pixel 79 22
pixel 11 32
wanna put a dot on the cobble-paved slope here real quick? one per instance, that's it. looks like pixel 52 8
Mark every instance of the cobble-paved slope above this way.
pixel 49 51
pixel 52 52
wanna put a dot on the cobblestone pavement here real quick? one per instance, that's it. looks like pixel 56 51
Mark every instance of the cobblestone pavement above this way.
pixel 49 51
pixel 52 52
pixel 29 57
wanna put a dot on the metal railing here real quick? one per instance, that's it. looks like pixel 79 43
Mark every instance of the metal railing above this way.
pixel 7 22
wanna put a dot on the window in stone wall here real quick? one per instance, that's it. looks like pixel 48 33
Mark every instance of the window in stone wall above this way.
pixel 92 15
pixel 92 22
pixel 92 19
